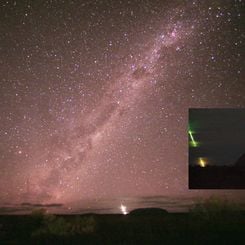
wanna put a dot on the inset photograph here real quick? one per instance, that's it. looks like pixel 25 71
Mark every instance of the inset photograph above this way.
pixel 216 148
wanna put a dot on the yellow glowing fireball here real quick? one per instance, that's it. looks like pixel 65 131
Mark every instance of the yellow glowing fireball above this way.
pixel 202 162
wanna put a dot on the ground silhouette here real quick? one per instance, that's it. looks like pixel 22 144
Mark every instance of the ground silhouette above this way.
pixel 205 224
pixel 218 177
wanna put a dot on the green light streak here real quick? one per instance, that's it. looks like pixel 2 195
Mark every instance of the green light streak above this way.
pixel 193 142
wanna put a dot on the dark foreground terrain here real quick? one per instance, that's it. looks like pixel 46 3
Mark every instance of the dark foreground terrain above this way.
pixel 212 225
pixel 218 177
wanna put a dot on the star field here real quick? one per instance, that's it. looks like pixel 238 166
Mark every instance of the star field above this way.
pixel 95 94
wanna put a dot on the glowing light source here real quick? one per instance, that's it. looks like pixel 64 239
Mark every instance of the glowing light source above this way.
pixel 202 162
pixel 193 142
pixel 123 209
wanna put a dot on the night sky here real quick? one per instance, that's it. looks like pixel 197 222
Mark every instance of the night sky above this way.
pixel 219 135
pixel 94 95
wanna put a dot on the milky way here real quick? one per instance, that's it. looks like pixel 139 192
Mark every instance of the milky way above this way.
pixel 95 94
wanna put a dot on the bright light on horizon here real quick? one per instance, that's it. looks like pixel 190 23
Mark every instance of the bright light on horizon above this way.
pixel 123 209
pixel 202 162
